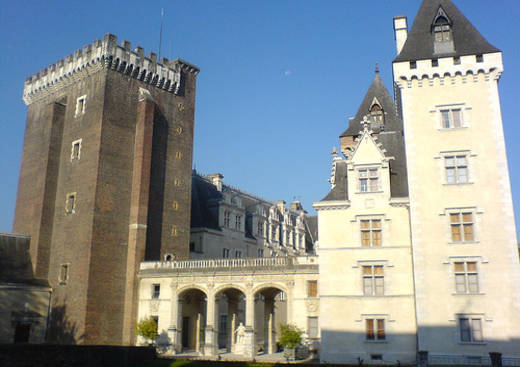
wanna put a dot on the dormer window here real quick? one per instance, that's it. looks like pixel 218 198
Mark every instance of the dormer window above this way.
pixel 442 30
pixel 376 114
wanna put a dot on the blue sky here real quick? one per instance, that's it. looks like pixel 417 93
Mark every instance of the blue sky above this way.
pixel 278 82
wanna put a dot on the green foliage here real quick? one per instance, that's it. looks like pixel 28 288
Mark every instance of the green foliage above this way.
pixel 147 328
pixel 290 335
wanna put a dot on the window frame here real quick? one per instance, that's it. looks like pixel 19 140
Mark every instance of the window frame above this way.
pixel 81 103
pixel 75 156
pixel 373 240
pixel 451 121
pixel 156 291
pixel 466 274
pixel 373 281
pixel 467 332
pixel 64 274
pixel 457 167
pixel 312 288
pixel 373 331
pixel 461 224
pixel 313 330
pixel 367 179
pixel 225 253
pixel 227 218
pixel 70 208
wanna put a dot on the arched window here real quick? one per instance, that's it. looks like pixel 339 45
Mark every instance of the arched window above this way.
pixel 376 114
pixel 442 30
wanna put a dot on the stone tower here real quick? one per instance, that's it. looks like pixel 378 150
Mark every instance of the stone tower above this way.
pixel 105 181
pixel 466 269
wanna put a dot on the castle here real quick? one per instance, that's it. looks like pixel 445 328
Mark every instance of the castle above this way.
pixel 415 253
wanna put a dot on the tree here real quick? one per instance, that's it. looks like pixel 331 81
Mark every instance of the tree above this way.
pixel 147 328
pixel 290 335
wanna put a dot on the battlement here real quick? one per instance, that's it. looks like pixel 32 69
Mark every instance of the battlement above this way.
pixel 164 74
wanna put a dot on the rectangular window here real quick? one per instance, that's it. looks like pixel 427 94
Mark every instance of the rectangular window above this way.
pixel 312 328
pixel 227 219
pixel 225 253
pixel 238 254
pixel 466 277
pixel 63 275
pixel 312 288
pixel 413 64
pixel 368 180
pixel 480 58
pixel 461 226
pixel 156 290
pixel 260 252
pixel 470 330
pixel 452 118
pixel 456 168
pixel 238 222
pixel 456 60
pixel 75 150
pixel 260 231
pixel 373 280
pixel 370 232
pixel 70 203
pixel 435 62
pixel 81 103
pixel 375 329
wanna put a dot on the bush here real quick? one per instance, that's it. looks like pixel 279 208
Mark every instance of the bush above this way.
pixel 147 328
pixel 290 335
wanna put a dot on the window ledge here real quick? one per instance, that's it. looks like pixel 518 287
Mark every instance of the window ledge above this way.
pixel 378 341
pixel 472 343
pixel 464 243
pixel 469 294
pixel 370 192
pixel 451 128
pixel 458 183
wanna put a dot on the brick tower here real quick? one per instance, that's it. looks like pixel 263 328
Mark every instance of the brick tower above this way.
pixel 105 181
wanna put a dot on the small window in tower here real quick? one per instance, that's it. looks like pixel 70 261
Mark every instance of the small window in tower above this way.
pixel 376 114
pixel 442 30
pixel 435 63
pixel 81 103
pixel 456 60
pixel 156 290
pixel 63 275
pixel 413 64
pixel 70 203
pixel 76 150
pixel 480 58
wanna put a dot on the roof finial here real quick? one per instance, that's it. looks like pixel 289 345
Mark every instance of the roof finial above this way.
pixel 377 68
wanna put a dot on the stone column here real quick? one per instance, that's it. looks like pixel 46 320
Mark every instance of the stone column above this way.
pixel 232 315
pixel 269 315
pixel 210 346
pixel 174 328
pixel 249 338
pixel 197 333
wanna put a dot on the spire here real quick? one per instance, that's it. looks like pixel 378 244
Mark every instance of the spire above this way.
pixel 377 68
pixel 464 38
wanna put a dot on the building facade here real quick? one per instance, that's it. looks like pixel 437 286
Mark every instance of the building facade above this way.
pixel 105 180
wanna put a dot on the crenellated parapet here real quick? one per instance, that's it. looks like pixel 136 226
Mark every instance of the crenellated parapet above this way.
pixel 107 54
pixel 448 70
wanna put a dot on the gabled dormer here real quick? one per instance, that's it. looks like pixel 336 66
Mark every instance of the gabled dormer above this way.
pixel 368 168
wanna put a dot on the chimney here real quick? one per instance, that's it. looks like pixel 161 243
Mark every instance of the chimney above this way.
pixel 400 31
pixel 216 179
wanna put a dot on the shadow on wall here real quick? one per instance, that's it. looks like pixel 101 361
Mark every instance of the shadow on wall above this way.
pixel 458 345
pixel 61 329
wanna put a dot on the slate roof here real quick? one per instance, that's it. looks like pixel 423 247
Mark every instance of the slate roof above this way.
pixel 340 189
pixel 378 90
pixel 203 195
pixel 419 43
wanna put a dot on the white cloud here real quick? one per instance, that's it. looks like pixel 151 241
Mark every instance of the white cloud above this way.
pixel 287 72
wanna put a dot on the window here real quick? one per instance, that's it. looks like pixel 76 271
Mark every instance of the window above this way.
pixel 70 203
pixel 452 118
pixel 371 232
pixel 260 231
pixel 480 58
pixel 456 60
pixel 225 253
pixel 238 254
pixel 442 30
pixel 368 179
pixel 456 168
pixel 227 219
pixel 435 63
pixel 312 288
pixel 63 275
pixel 81 102
pixel 373 280
pixel 260 252
pixel 375 329
pixel 156 290
pixel 312 327
pixel 75 150
pixel 413 64
pixel 461 226
pixel 196 246
pixel 238 222
pixel 470 330
pixel 466 277
pixel 376 114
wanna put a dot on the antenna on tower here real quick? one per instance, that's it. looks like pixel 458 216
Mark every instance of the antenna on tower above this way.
pixel 160 33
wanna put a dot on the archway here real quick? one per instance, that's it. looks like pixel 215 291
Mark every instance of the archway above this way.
pixel 192 319
pixel 270 312
pixel 230 313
